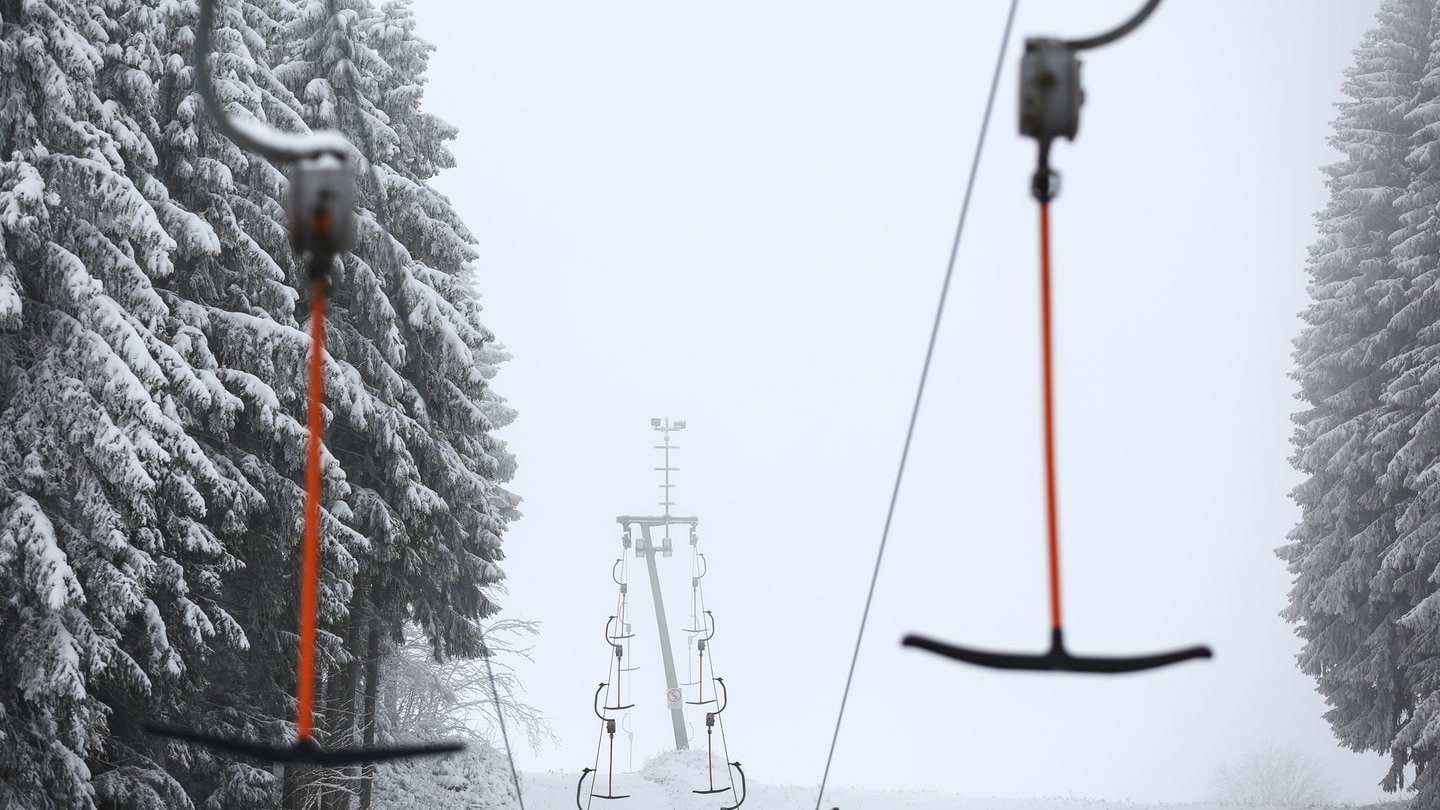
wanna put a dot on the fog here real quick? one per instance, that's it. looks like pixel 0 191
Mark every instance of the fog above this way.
pixel 739 215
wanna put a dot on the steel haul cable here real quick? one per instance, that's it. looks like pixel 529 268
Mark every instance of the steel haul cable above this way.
pixel 697 602
pixel 500 715
pixel 616 645
pixel 724 743
pixel 599 744
pixel 920 390
pixel 699 590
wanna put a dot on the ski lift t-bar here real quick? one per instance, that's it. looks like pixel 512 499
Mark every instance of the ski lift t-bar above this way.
pixel 1050 108
pixel 1050 94
pixel 322 225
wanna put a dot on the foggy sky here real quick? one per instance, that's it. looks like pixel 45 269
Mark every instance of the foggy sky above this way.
pixel 738 214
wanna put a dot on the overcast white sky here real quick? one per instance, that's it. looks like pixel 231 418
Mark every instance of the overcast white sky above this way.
pixel 738 214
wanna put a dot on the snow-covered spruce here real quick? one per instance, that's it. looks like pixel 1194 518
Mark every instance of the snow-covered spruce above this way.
pixel 1365 553
pixel 152 348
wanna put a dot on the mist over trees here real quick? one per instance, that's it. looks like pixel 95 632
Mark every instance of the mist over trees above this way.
pixel 152 391
pixel 1366 553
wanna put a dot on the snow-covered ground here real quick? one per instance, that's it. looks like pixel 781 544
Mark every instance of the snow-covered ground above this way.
pixel 666 782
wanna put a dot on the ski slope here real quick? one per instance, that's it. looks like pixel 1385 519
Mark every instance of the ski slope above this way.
pixel 666 782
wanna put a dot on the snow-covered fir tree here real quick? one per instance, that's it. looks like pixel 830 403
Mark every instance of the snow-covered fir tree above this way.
pixel 152 389
pixel 111 568
pixel 1366 555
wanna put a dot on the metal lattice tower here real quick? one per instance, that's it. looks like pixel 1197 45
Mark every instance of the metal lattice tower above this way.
pixel 645 547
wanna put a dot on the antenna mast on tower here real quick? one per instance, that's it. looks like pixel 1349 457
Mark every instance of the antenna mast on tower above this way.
pixel 666 427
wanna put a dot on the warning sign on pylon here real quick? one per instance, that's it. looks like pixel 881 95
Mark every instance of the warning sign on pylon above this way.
pixel 672 697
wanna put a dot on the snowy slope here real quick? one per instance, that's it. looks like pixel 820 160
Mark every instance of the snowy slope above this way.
pixel 666 781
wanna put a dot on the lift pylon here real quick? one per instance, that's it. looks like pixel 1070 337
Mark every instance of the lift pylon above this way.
pixel 645 545
pixel 653 536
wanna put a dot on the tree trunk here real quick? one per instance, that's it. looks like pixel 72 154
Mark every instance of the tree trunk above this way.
pixel 342 704
pixel 297 786
pixel 368 719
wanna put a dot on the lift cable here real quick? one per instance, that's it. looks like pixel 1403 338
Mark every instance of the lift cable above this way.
pixel 252 136
pixel 616 644
pixel 920 390
pixel 697 608
pixel 724 743
pixel 599 744
pixel 705 626
pixel 500 715
pixel 1118 32
pixel 731 768
pixel 607 727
